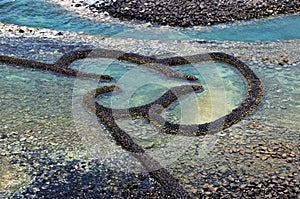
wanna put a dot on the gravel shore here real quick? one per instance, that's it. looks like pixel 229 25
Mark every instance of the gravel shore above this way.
pixel 47 157
pixel 189 13
pixel 43 155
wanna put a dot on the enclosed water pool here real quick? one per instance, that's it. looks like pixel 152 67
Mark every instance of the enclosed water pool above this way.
pixel 51 146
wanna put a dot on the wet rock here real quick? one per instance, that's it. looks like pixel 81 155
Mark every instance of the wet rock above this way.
pixel 3 136
pixel 249 151
pixel 254 125
pixel 189 13
pixel 245 58
pixel 283 61
pixel 264 157
pixel 284 156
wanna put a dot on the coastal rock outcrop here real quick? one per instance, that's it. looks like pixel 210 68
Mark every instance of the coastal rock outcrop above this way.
pixel 192 12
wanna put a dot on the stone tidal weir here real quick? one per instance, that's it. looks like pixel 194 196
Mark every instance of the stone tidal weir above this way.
pixel 152 110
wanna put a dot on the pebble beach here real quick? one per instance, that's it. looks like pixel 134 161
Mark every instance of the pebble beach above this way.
pixel 188 13
pixel 47 152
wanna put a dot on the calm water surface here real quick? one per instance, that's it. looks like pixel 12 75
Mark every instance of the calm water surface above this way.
pixel 35 13
pixel 47 103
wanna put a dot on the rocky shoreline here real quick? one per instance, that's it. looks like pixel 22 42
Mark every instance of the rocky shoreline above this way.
pixel 188 13
pixel 48 171
pixel 47 157
pixel 278 54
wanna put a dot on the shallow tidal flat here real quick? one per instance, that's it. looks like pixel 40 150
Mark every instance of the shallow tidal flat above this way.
pixel 45 150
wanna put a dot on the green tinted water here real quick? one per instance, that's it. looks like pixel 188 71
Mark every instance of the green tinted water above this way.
pixel 46 104
pixel 35 13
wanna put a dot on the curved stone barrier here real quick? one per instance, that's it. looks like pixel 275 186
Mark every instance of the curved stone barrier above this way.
pixel 62 65
pixel 151 110
pixel 109 116
pixel 248 105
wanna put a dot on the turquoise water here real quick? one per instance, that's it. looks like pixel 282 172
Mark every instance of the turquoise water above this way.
pixel 37 15
pixel 224 88
pixel 45 104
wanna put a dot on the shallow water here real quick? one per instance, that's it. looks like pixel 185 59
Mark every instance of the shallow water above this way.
pixel 281 98
pixel 36 15
pixel 224 88
pixel 42 113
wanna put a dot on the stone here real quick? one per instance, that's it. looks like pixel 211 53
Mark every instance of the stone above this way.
pixel 265 157
pixel 245 58
pixel 249 151
pixel 284 155
pixel 189 13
